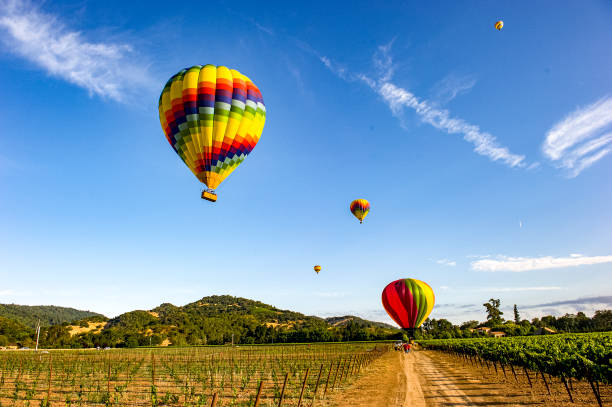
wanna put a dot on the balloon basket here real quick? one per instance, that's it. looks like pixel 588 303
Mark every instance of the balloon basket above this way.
pixel 209 195
pixel 410 333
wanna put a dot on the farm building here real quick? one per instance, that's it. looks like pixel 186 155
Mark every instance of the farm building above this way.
pixel 544 331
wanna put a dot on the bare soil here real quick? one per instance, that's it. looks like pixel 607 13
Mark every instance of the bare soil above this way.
pixel 430 378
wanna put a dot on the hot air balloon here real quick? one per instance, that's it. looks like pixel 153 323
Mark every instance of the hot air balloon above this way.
pixel 499 25
pixel 317 268
pixel 360 209
pixel 408 302
pixel 212 117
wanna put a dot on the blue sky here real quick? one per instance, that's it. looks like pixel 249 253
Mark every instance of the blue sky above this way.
pixel 484 154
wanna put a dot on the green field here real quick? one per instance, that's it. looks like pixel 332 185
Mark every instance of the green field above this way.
pixel 182 376
pixel 585 357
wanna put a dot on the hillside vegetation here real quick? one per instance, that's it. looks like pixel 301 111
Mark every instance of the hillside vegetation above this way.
pixel 47 314
pixel 210 320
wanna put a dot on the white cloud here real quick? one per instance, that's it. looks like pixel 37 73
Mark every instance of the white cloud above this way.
pixel 106 69
pixel 582 138
pixel 451 86
pixel 447 262
pixel 519 264
pixel 398 98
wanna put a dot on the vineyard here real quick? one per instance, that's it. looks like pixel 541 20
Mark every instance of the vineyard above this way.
pixel 582 357
pixel 287 375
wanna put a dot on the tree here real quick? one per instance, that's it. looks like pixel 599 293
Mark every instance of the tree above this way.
pixel 493 312
pixel 517 317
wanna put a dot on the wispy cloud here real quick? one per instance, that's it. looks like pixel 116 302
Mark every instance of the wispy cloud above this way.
pixel 398 99
pixel 582 138
pixel 588 305
pixel 519 264
pixel 108 70
pixel 451 86
pixel 14 293
pixel 446 262
pixel 519 289
pixel 605 300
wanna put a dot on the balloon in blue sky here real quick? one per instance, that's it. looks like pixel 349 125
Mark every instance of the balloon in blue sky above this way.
pixel 452 133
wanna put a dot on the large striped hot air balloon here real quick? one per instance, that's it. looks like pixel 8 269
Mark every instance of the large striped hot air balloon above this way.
pixel 212 117
pixel 408 302
pixel 360 209
pixel 499 25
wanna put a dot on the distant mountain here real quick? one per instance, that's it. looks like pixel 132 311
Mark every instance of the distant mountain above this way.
pixel 48 314
pixel 342 321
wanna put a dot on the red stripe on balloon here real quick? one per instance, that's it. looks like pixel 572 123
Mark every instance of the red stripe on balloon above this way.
pixel 399 304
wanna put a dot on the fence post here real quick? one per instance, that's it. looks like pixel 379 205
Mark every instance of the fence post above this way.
pixel 596 393
pixel 108 378
pixel 513 372
pixel 528 378
pixel 314 396
pixel 153 369
pixel 344 370
pixel 50 378
pixel 280 401
pixel 336 375
pixel 258 393
pixel 348 369
pixel 567 388
pixel 214 400
pixel 546 383
pixel 331 366
pixel 303 386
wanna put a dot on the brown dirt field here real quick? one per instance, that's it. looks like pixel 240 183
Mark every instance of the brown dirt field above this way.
pixel 429 378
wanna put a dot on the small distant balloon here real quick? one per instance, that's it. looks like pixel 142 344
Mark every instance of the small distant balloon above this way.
pixel 499 25
pixel 360 208
pixel 317 268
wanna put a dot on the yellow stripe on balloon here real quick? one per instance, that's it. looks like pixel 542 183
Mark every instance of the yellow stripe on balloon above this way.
pixel 186 144
pixel 429 295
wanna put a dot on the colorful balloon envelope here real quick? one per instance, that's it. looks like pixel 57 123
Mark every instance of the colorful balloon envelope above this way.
pixel 499 25
pixel 212 117
pixel 408 302
pixel 360 209
pixel 317 268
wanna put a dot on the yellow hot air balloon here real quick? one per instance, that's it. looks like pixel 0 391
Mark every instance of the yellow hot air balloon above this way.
pixel 360 208
pixel 212 117
pixel 317 268
pixel 499 25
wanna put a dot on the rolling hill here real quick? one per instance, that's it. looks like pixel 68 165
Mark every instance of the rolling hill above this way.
pixel 47 314
pixel 211 320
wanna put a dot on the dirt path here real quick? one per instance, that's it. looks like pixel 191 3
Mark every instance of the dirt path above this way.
pixel 427 378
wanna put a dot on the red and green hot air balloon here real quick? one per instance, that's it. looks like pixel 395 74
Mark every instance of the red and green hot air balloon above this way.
pixel 408 302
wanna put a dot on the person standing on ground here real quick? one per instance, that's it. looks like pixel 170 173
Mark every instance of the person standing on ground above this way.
pixel 407 347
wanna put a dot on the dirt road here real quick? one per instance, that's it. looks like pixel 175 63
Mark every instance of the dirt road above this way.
pixel 427 378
